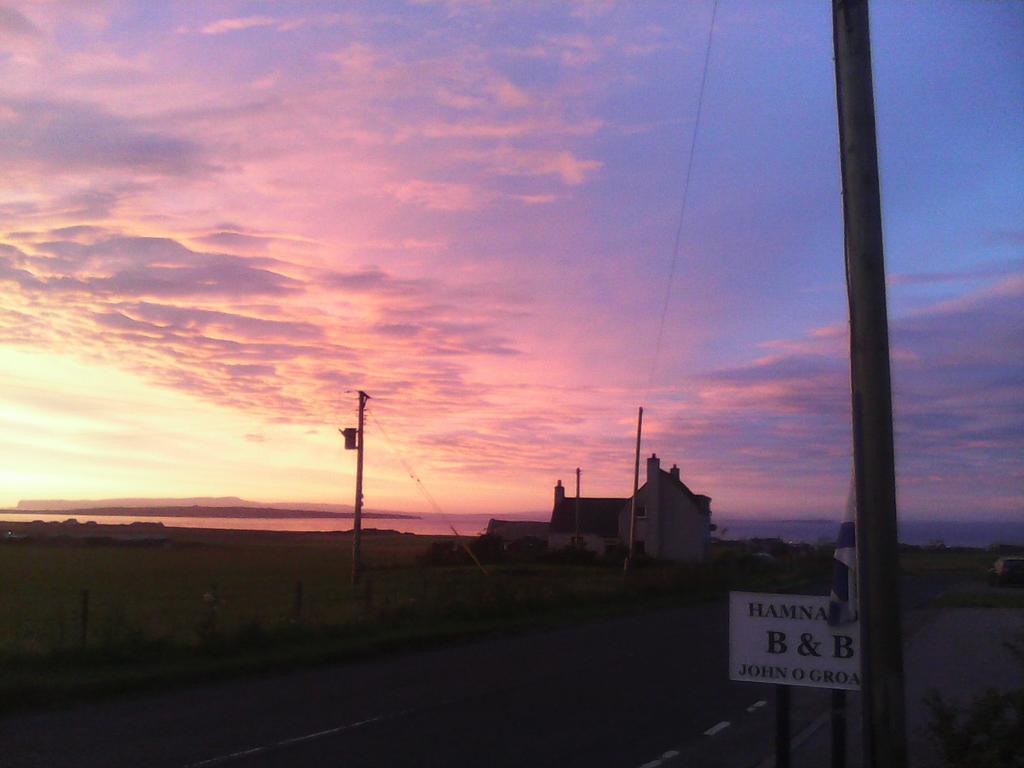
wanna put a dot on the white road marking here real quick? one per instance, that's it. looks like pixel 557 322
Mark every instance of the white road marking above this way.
pixel 221 759
pixel 652 764
pixel 756 705
pixel 717 728
pixel 670 754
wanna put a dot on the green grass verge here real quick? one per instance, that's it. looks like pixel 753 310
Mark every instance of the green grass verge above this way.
pixel 1008 599
pixel 966 561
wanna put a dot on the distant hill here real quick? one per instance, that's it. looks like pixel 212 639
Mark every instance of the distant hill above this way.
pixel 55 505
pixel 221 506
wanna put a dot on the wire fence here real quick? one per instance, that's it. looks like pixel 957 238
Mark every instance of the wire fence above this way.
pixel 131 603
pixel 45 619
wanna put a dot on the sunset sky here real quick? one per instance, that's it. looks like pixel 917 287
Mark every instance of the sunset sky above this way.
pixel 217 218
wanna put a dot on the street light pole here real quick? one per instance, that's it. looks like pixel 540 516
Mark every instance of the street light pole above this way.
pixel 631 552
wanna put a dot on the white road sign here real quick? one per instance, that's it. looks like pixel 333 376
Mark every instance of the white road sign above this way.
pixel 786 639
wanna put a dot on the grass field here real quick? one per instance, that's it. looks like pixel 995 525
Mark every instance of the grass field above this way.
pixel 177 594
pixel 209 603
pixel 229 605
pixel 190 596
pixel 970 562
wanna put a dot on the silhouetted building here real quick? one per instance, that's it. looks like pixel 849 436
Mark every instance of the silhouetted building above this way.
pixel 598 522
pixel 673 522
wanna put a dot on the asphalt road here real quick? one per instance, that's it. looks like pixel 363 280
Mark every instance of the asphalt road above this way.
pixel 622 693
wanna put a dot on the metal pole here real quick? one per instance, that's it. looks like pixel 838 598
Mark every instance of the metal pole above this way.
pixel 357 517
pixel 576 540
pixel 875 477
pixel 838 728
pixel 781 726
pixel 631 552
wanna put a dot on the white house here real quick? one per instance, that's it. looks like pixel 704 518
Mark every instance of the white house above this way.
pixel 673 522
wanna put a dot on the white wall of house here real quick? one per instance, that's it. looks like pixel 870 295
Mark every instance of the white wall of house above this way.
pixel 684 530
pixel 641 523
pixel 673 526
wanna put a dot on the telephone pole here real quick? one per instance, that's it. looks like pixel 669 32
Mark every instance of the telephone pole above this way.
pixel 354 441
pixel 874 468
pixel 631 553
pixel 576 540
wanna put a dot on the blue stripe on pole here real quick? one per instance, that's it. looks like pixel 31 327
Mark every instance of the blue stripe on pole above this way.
pixel 842 604
pixel 847 535
pixel 841 583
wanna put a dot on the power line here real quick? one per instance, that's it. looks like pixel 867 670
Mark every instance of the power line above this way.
pixel 406 465
pixel 682 208
pixel 423 489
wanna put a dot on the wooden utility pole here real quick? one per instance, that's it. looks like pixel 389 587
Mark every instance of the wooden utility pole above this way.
pixel 874 471
pixel 631 552
pixel 357 516
pixel 576 540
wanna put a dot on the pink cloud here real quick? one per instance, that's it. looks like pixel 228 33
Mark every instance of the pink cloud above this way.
pixel 238 24
pixel 440 196
pixel 468 211
pixel 73 135
pixel 13 22
pixel 571 170
pixel 165 311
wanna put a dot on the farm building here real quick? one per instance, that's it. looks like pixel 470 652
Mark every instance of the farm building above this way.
pixel 519 535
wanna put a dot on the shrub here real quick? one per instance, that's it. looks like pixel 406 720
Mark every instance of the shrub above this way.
pixel 988 732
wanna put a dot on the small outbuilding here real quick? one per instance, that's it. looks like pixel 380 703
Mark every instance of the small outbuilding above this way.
pixel 518 533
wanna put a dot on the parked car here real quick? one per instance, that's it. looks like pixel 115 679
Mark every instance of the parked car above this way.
pixel 1006 570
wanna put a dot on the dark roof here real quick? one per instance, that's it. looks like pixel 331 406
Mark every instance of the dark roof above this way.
pixel 694 497
pixel 597 516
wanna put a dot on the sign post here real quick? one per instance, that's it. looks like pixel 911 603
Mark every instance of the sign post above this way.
pixel 782 728
pixel 838 728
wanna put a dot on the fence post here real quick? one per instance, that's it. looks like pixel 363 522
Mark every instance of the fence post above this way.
pixel 84 615
pixel 368 598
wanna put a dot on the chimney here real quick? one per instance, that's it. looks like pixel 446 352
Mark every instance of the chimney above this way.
pixel 674 473
pixel 653 466
pixel 559 493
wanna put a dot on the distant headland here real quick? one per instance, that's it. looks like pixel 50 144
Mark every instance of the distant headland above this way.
pixel 207 507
